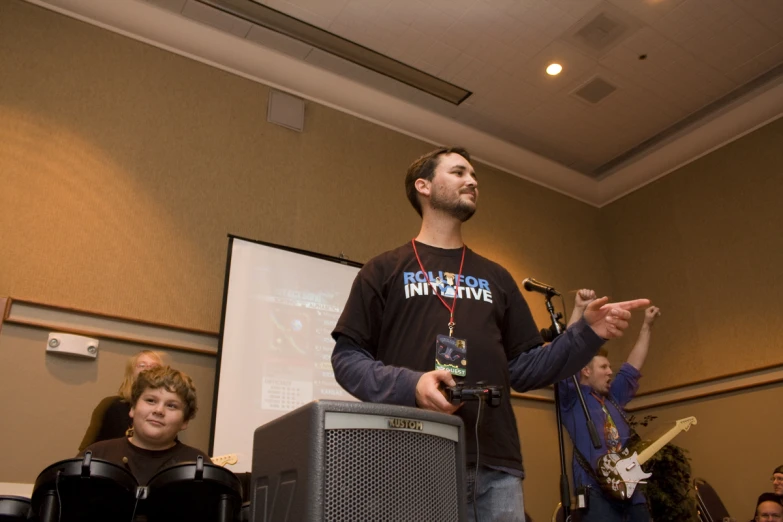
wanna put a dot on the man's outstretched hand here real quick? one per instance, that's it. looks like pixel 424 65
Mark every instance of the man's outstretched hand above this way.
pixel 608 320
pixel 428 392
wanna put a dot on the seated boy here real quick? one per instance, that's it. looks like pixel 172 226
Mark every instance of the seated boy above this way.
pixel 163 401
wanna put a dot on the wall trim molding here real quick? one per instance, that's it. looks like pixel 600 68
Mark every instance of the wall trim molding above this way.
pixel 94 324
pixel 703 389
pixel 5 305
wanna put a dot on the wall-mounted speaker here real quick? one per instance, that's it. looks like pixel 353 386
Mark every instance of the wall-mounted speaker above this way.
pixel 286 110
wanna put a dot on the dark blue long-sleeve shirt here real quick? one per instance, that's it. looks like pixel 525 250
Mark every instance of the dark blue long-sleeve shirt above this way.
pixel 370 380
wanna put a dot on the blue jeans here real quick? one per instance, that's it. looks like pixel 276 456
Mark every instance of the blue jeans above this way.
pixel 498 497
pixel 601 509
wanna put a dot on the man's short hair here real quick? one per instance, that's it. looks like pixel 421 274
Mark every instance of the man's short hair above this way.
pixel 172 380
pixel 779 469
pixel 602 352
pixel 424 167
pixel 768 497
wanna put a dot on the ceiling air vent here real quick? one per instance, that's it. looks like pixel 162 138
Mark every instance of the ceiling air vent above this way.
pixel 601 32
pixel 601 29
pixel 594 90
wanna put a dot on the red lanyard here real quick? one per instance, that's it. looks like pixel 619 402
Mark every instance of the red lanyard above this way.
pixel 451 308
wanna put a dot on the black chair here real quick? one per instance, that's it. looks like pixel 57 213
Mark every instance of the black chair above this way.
pixel 710 506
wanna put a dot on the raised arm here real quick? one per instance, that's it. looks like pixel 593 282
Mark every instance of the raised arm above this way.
pixel 583 298
pixel 639 352
pixel 548 364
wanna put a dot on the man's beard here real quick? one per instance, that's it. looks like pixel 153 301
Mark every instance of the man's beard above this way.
pixel 458 209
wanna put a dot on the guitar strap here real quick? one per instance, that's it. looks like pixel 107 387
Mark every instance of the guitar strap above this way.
pixel 585 465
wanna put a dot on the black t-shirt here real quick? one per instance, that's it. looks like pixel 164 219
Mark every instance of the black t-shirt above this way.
pixel 143 463
pixel 394 314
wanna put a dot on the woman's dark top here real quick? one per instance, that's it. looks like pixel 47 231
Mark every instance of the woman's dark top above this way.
pixel 110 420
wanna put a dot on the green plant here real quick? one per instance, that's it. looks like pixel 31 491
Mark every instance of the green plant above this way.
pixel 668 491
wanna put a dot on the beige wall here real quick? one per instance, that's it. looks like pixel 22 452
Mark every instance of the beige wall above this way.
pixel 124 167
pixel 703 244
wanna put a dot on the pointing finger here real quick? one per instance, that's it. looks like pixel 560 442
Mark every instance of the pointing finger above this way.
pixel 627 305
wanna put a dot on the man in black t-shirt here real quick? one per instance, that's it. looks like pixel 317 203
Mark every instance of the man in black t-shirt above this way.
pixel 163 402
pixel 434 290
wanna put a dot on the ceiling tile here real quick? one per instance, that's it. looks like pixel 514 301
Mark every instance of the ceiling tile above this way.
pixel 451 70
pixel 647 11
pixel 758 65
pixel 405 11
pixel 327 11
pixel 575 8
pixel 171 5
pixel 440 54
pixel 453 8
pixel 298 12
pixel 768 12
pixel 434 23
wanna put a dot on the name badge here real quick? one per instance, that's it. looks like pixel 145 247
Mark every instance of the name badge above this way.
pixel 451 355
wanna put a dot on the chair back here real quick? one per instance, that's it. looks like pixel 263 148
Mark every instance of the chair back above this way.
pixel 710 506
pixel 557 516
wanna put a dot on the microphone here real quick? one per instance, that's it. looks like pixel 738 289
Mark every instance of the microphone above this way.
pixel 531 285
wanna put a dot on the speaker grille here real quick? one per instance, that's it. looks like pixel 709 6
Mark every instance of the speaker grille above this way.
pixel 389 475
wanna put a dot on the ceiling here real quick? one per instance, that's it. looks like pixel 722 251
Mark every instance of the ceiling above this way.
pixel 690 75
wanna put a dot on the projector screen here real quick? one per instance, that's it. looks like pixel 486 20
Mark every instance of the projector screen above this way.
pixel 280 307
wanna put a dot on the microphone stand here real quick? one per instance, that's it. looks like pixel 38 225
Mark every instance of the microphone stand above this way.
pixel 565 492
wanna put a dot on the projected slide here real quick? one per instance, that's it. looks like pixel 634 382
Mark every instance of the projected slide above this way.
pixel 281 307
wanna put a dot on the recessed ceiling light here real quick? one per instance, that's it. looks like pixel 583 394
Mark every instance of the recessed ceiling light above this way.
pixel 553 69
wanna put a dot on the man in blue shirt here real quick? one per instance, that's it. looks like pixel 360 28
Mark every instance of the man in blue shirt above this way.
pixel 606 399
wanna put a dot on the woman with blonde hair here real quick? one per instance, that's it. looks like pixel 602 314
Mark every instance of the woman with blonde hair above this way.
pixel 111 418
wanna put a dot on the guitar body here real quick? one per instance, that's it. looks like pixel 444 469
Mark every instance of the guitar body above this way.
pixel 619 474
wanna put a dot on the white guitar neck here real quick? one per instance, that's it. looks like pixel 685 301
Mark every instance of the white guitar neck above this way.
pixel 652 449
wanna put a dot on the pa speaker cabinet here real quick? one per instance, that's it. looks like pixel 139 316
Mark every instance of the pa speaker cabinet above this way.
pixel 354 461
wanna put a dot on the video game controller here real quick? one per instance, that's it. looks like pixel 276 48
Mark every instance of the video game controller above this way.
pixel 461 393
